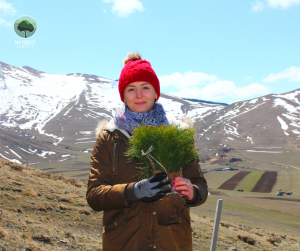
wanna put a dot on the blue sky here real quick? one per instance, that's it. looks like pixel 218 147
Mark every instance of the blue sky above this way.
pixel 214 50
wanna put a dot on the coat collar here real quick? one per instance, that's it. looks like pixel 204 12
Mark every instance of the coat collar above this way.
pixel 111 126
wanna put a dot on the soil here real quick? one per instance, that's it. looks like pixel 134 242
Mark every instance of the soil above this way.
pixel 169 208
pixel 266 182
pixel 234 180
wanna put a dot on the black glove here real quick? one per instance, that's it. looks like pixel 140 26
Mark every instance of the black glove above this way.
pixel 149 190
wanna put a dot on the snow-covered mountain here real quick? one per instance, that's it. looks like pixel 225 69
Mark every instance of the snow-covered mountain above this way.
pixel 263 124
pixel 51 117
pixel 38 108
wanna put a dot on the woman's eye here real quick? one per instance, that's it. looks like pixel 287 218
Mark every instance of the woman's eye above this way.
pixel 146 87
pixel 131 89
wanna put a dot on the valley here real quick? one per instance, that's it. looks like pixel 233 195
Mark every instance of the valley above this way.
pixel 48 121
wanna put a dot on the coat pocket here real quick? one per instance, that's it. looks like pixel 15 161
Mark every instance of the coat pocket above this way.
pixel 113 221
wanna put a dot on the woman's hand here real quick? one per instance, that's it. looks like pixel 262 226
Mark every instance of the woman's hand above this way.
pixel 184 186
pixel 151 189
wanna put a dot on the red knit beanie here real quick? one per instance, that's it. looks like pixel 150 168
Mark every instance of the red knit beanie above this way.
pixel 138 70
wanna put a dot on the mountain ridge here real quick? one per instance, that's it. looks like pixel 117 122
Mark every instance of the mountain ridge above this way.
pixel 50 118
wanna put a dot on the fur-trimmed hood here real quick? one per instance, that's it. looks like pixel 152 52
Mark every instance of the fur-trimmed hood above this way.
pixel 185 123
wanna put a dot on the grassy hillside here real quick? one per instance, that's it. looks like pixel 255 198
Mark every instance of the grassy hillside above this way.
pixel 42 211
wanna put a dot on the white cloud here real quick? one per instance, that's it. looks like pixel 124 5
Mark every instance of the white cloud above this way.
pixel 282 3
pixel 223 89
pixel 251 90
pixel 292 74
pixel 188 79
pixel 219 90
pixel 193 92
pixel 258 6
pixel 208 87
pixel 5 23
pixel 123 8
pixel 6 8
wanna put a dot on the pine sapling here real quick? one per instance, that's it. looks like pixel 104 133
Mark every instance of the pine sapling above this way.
pixel 162 148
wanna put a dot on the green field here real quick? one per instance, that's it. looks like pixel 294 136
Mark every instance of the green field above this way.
pixel 216 179
pixel 288 180
pixel 254 212
pixel 256 209
pixel 249 181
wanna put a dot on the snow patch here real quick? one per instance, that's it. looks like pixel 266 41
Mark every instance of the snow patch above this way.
pixel 68 111
pixel 253 101
pixel 87 132
pixel 290 96
pixel 63 159
pixel 284 126
pixel 13 160
pixel 16 154
pixel 44 153
pixel 25 150
pixel 33 151
pixel 285 105
pixel 249 139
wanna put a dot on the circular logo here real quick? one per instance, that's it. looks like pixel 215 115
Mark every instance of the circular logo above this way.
pixel 25 26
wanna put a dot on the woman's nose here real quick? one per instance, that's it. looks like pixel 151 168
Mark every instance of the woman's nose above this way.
pixel 139 94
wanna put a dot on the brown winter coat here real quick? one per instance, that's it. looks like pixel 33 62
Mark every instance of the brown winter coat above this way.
pixel 129 224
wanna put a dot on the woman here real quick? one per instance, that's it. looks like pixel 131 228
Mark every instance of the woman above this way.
pixel 129 205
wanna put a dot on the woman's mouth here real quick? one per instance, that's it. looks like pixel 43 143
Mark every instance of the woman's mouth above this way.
pixel 140 103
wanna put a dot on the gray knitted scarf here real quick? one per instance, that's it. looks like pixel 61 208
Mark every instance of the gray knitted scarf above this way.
pixel 128 120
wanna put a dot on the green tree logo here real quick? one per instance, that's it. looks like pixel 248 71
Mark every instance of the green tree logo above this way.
pixel 25 26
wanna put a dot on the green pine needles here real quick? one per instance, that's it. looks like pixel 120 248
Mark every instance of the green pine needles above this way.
pixel 173 147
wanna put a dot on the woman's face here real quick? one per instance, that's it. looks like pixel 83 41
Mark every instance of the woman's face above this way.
pixel 139 96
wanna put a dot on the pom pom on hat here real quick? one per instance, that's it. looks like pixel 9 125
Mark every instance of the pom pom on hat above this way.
pixel 138 70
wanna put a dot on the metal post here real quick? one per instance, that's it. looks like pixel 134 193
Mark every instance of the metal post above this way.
pixel 214 238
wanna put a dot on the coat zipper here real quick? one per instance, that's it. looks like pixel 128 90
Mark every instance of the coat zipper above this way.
pixel 115 146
